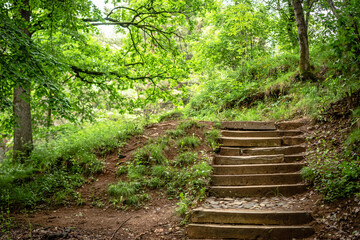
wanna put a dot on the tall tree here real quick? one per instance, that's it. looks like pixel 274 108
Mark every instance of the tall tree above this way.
pixel 55 61
pixel 23 137
pixel 304 64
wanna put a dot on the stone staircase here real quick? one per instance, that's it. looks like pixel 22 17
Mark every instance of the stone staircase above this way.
pixel 257 159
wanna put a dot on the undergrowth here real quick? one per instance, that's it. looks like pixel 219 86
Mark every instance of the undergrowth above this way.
pixel 185 176
pixel 336 174
pixel 268 88
pixel 58 166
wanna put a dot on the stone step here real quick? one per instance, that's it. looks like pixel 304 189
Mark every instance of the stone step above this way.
pixel 257 159
pixel 261 141
pixel 250 217
pixel 248 125
pixel 287 150
pixel 258 190
pixel 281 133
pixel 222 231
pixel 257 168
pixel 256 179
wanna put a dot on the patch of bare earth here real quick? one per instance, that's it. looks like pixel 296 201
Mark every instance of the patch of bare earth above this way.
pixel 96 217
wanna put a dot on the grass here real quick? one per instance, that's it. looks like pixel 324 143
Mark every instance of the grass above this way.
pixel 187 174
pixel 186 159
pixel 268 88
pixel 59 166
pixel 188 142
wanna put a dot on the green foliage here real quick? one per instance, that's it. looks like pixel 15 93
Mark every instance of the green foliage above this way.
pixel 333 174
pixel 183 206
pixel 136 172
pixel 6 223
pixel 212 138
pixel 189 124
pixel 232 34
pixel 186 159
pixel 150 154
pixel 171 115
pixel 179 132
pixel 58 166
pixel 188 174
pixel 124 189
pixel 183 128
pixel 352 143
pixel 335 179
pixel 160 171
pixel 188 142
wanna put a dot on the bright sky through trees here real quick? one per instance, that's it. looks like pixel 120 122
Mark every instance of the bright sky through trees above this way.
pixel 109 31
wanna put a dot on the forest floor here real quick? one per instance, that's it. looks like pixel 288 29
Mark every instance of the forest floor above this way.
pixel 96 218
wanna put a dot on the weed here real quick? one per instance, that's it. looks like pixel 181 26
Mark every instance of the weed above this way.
pixel 185 159
pixel 176 133
pixel 150 154
pixel 137 172
pixel 189 124
pixel 124 189
pixel 188 142
pixel 6 223
pixel 122 170
pixel 78 198
pixel 212 138
pixel 155 183
pixel 160 171
pixel 308 174
pixel 183 205
pixel 97 203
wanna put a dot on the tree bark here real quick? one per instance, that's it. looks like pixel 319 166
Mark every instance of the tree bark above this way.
pixel 304 65
pixel 23 137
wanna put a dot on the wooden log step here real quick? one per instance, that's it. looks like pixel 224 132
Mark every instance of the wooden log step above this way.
pixel 286 150
pixel 256 179
pixel 261 141
pixel 250 217
pixel 222 231
pixel 281 133
pixel 258 190
pixel 248 125
pixel 237 160
pixel 257 168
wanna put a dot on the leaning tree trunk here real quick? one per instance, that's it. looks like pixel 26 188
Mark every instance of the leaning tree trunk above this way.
pixel 23 139
pixel 304 65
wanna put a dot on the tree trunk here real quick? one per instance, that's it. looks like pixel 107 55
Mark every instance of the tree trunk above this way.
pixel 23 138
pixel 304 65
